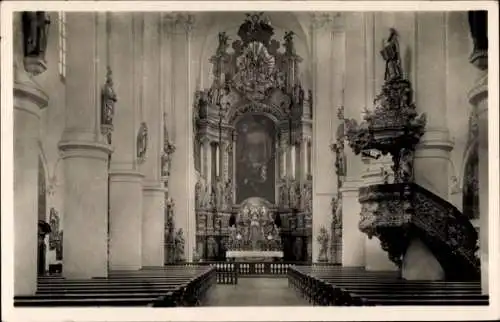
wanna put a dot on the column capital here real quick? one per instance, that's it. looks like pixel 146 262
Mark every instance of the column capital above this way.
pixel 332 21
pixel 153 187
pixel 435 139
pixel 25 88
pixel 83 149
pixel 178 22
pixel 122 175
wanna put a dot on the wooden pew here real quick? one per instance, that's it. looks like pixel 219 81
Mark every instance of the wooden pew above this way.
pixel 323 285
pixel 163 287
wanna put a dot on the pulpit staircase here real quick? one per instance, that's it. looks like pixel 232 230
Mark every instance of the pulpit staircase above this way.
pixel 400 213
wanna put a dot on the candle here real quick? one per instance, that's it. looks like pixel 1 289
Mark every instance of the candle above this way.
pixel 217 162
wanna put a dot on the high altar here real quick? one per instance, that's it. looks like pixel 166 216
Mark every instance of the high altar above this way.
pixel 252 150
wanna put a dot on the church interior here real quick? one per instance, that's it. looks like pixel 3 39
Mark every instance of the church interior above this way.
pixel 250 158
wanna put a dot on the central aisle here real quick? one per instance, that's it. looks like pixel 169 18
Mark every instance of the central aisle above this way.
pixel 255 292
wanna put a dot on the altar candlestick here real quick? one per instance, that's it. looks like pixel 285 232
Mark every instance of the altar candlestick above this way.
pixel 217 160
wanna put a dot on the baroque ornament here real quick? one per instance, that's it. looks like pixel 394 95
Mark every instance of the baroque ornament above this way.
pixel 168 150
pixel 396 212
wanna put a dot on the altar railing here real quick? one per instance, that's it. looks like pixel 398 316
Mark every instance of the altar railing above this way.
pixel 229 272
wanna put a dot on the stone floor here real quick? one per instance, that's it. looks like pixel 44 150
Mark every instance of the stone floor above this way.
pixel 255 292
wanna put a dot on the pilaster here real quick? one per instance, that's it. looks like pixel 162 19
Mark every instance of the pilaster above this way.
pixel 432 154
pixel 153 192
pixel 179 26
pixel 325 55
pixel 353 240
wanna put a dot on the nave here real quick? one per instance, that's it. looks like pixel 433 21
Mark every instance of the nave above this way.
pixel 251 284
pixel 255 291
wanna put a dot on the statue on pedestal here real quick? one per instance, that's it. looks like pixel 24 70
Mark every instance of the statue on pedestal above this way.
pixel 228 193
pixel 142 142
pixel 391 54
pixel 35 32
pixel 289 45
pixel 108 100
pixel 179 246
pixel 323 245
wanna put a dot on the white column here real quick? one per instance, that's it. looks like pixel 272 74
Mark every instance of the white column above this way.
pixel 432 154
pixel 478 97
pixel 303 158
pixel 283 155
pixel 183 178
pixel 225 161
pixel 323 54
pixel 353 240
pixel 217 160
pixel 207 151
pixel 29 98
pixel 126 181
pixel 153 193
pixel 84 156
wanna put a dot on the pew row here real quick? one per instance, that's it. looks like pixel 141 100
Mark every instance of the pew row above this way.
pixel 163 287
pixel 341 286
